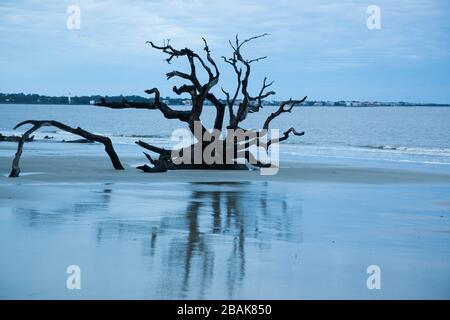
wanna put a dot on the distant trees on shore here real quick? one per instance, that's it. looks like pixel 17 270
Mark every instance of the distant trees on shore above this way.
pixel 21 98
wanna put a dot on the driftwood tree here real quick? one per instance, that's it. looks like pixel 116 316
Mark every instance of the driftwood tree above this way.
pixel 226 146
pixel 239 103
pixel 37 124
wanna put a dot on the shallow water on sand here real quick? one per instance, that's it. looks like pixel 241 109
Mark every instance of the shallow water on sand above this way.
pixel 224 240
pixel 399 134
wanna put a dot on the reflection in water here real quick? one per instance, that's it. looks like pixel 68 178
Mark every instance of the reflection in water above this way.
pixel 187 250
pixel 220 219
pixel 63 212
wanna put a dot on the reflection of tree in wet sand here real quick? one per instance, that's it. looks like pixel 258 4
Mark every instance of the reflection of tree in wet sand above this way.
pixel 200 251
pixel 220 218
pixel 197 242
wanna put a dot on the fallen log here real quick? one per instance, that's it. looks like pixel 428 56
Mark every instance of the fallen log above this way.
pixel 36 124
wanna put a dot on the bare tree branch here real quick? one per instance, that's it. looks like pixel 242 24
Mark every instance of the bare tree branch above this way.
pixel 256 59
pixel 285 136
pixel 239 46
pixel 36 124
pixel 285 106
pixel 168 112
pixel 158 150
pixel 261 96
pixel 237 56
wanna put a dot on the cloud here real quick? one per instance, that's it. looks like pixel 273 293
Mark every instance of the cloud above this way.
pixel 307 35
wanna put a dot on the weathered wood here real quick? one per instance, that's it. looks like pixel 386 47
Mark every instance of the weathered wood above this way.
pixel 36 124
pixel 239 104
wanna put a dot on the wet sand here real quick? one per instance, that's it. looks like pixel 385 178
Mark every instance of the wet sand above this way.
pixel 54 169
pixel 310 231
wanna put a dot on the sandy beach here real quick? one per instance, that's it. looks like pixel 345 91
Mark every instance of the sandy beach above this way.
pixel 61 168
pixel 308 232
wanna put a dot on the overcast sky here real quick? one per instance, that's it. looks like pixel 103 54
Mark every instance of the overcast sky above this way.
pixel 318 48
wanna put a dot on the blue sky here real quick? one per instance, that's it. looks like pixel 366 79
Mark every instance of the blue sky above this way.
pixel 318 48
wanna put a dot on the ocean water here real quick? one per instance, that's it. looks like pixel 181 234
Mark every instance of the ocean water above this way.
pixel 231 240
pixel 411 136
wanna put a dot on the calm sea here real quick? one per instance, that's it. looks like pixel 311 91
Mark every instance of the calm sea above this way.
pixel 416 135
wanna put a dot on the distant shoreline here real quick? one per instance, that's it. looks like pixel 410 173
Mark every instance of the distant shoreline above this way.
pixel 36 99
pixel 434 105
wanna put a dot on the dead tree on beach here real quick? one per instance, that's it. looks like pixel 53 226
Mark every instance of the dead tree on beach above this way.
pixel 239 103
pixel 36 124
pixel 227 145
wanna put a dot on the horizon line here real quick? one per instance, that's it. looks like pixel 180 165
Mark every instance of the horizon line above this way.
pixel 186 98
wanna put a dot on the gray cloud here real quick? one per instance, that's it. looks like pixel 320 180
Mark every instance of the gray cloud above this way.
pixel 307 36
